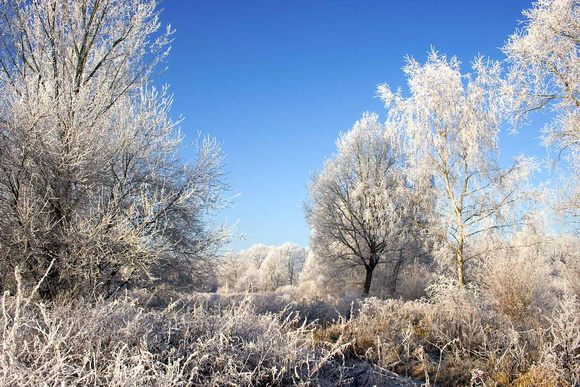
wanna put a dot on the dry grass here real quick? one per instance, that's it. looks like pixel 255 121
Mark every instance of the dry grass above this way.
pixel 457 337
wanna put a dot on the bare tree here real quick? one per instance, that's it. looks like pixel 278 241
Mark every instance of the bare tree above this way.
pixel 90 171
pixel 353 206
pixel 449 124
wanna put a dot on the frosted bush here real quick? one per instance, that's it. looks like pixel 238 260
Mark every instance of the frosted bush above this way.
pixel 413 281
pixel 517 285
pixel 562 349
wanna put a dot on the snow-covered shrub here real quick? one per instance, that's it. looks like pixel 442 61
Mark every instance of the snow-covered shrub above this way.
pixel 413 281
pixel 561 355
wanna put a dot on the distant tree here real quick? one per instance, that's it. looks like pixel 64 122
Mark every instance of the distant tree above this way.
pixel 294 257
pixel 449 124
pixel 233 267
pixel 354 204
pixel 545 72
pixel 312 281
pixel 262 268
pixel 257 254
pixel 272 271
pixel 242 270
pixel 92 186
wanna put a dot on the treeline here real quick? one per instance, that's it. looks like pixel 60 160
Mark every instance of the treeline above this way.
pixel 421 194
pixel 261 268
pixel 425 185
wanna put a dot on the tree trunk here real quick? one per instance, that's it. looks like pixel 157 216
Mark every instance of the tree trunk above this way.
pixel 368 279
pixel 395 274
pixel 460 275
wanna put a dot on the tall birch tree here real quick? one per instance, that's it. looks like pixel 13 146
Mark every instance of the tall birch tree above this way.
pixel 449 125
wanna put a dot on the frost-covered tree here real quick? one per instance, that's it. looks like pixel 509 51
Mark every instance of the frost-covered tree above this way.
pixel 272 271
pixel 449 124
pixel 545 72
pixel 257 254
pixel 250 261
pixel 353 205
pixel 262 268
pixel 92 186
pixel 294 257
pixel 233 267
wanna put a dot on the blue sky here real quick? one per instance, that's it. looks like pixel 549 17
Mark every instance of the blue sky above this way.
pixel 277 81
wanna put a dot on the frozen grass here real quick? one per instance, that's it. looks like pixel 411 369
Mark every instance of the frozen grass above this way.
pixel 459 338
pixel 119 344
pixel 196 340
pixel 456 336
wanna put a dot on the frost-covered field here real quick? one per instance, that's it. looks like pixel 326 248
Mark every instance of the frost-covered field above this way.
pixel 452 338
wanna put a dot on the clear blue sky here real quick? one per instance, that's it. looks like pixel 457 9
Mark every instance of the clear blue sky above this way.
pixel 277 81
